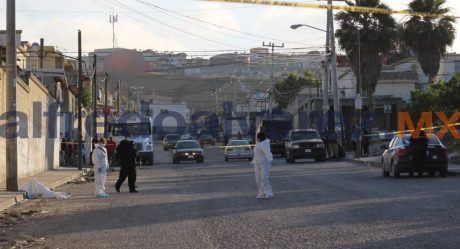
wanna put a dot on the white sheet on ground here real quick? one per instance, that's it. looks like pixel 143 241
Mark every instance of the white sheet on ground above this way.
pixel 35 189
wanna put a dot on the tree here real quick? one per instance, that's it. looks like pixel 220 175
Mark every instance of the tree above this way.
pixel 400 50
pixel 86 98
pixel 440 97
pixel 427 36
pixel 290 86
pixel 366 38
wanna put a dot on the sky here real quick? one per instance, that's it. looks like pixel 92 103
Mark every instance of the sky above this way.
pixel 199 28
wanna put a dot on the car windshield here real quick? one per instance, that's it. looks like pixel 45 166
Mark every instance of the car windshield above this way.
pixel 188 145
pixel 432 140
pixel 301 135
pixel 238 143
pixel 135 129
pixel 172 137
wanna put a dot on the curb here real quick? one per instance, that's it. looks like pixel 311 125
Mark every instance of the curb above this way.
pixel 9 201
pixel 366 163
pixel 13 198
pixel 64 180
pixel 377 165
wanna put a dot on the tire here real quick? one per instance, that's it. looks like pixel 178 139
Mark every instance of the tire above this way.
pixel 226 159
pixel 384 172
pixel 249 158
pixel 287 160
pixel 411 173
pixel 443 171
pixel 395 170
pixel 431 173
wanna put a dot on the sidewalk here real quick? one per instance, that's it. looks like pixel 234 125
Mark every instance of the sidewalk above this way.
pixel 51 179
pixel 375 161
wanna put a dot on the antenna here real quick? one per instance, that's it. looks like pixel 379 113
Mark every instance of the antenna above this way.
pixel 113 19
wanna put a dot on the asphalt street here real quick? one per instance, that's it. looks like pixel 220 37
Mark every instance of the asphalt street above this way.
pixel 338 204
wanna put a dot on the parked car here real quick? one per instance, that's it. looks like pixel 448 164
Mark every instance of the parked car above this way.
pixel 186 136
pixel 207 139
pixel 169 141
pixel 188 150
pixel 398 155
pixel 238 149
pixel 304 144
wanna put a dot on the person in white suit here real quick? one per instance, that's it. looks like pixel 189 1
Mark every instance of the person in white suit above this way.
pixel 101 166
pixel 262 161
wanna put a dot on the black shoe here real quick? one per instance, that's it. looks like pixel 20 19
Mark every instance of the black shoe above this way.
pixel 117 188
pixel 133 191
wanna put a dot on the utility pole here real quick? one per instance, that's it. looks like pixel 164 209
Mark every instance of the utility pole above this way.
pixel 94 81
pixel 106 104
pixel 11 132
pixel 80 91
pixel 119 96
pixel 42 52
pixel 272 84
pixel 113 19
pixel 335 90
pixel 358 91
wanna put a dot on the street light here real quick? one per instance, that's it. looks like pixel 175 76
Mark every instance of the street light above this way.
pixel 296 26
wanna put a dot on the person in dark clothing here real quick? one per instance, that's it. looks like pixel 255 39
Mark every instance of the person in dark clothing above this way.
pixel 126 155
pixel 326 142
pixel 62 151
pixel 365 143
pixel 69 152
pixel 94 141
pixel 418 147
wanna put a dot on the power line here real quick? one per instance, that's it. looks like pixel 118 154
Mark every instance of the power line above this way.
pixel 175 28
pixel 213 24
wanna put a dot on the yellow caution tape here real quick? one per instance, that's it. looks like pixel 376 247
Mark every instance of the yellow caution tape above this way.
pixel 333 7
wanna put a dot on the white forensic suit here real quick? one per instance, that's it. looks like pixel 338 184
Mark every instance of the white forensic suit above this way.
pixel 101 166
pixel 262 162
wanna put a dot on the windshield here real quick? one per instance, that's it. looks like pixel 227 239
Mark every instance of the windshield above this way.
pixel 134 129
pixel 432 140
pixel 301 135
pixel 188 145
pixel 172 137
pixel 238 143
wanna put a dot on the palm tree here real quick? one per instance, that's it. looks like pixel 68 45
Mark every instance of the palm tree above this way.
pixel 366 38
pixel 429 36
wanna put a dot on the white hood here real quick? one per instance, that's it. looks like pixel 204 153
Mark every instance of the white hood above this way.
pixel 100 159
pixel 262 152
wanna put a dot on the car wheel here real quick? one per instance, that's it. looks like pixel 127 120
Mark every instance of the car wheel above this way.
pixel 395 170
pixel 165 149
pixel 443 171
pixel 431 173
pixel 226 159
pixel 287 160
pixel 384 172
pixel 411 173
pixel 249 158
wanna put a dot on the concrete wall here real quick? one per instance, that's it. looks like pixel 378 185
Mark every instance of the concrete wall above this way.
pixel 38 142
pixel 2 133
pixel 396 88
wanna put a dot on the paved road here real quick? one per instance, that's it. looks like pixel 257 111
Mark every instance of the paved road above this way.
pixel 212 205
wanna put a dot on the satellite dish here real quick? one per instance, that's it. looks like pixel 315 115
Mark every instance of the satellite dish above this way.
pixel 35 44
pixel 124 64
